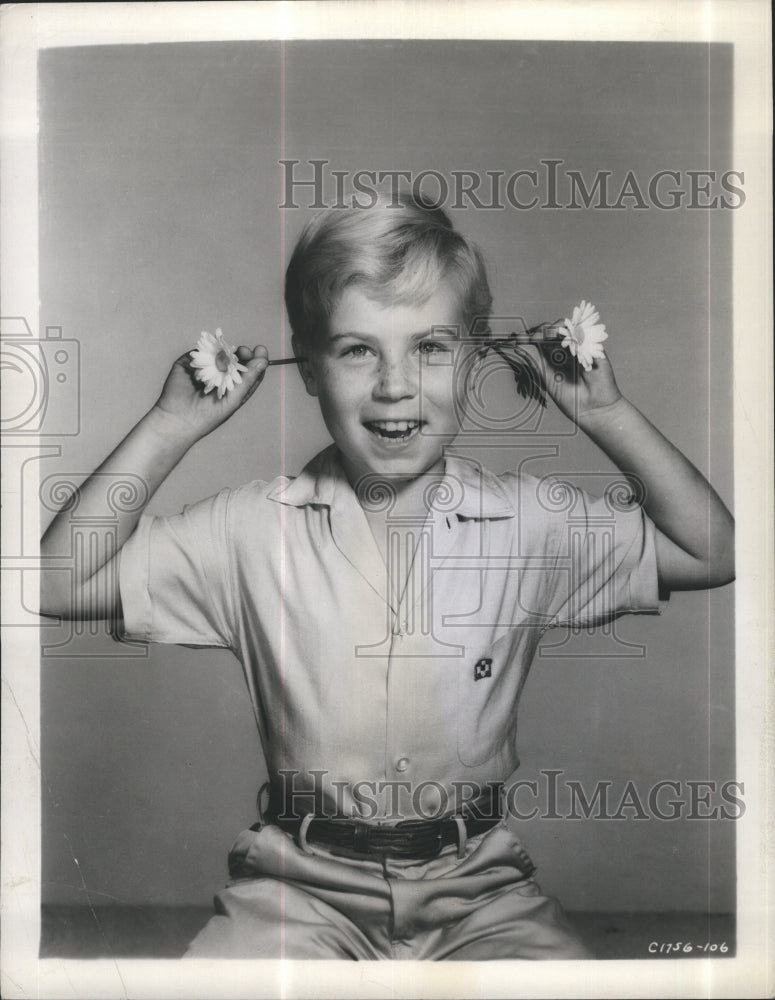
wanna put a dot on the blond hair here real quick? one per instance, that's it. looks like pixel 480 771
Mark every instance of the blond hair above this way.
pixel 399 251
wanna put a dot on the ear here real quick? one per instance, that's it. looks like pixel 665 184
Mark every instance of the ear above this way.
pixel 306 368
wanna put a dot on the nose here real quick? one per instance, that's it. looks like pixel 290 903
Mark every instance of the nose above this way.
pixel 397 378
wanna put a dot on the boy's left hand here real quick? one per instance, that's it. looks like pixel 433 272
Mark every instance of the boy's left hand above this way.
pixel 578 393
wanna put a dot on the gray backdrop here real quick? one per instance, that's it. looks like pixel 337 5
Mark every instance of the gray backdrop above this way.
pixel 160 188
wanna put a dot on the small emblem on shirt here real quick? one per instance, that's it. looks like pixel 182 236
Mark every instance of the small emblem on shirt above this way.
pixel 482 669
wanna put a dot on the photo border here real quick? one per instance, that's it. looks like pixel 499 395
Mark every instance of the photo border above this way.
pixel 29 28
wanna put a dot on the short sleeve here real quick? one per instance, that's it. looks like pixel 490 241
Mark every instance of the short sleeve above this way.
pixel 605 563
pixel 174 577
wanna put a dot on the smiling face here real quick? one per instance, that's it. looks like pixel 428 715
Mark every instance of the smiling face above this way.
pixel 384 376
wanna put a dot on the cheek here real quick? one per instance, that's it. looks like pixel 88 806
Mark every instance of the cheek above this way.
pixel 339 394
pixel 439 386
pixel 467 373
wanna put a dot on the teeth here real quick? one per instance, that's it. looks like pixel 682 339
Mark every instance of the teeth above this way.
pixel 395 425
pixel 395 430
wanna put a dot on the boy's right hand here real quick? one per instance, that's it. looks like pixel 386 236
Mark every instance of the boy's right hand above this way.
pixel 185 406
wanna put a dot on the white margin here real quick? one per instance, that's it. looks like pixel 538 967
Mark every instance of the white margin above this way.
pixel 27 28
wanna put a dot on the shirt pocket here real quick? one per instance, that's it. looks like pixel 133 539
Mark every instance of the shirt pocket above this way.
pixel 488 686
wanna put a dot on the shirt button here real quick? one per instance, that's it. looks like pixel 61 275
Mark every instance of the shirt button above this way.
pixel 402 763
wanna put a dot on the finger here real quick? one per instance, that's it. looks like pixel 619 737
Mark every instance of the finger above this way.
pixel 546 335
pixel 258 360
pixel 548 338
pixel 255 359
pixel 256 365
pixel 244 354
pixel 185 362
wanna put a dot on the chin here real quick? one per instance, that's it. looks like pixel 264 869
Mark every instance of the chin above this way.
pixel 406 466
pixel 408 458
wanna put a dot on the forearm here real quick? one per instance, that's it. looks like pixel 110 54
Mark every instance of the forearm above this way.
pixel 683 505
pixel 145 457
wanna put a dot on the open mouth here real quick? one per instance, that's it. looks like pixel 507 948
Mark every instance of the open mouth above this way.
pixel 395 431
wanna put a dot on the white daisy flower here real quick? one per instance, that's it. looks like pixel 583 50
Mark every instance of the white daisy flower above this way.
pixel 216 364
pixel 583 335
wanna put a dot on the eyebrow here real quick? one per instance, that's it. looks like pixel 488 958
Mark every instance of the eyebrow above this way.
pixel 441 329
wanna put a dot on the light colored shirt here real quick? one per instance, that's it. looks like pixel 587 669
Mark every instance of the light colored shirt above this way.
pixel 386 689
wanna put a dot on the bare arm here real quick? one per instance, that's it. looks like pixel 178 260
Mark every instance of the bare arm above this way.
pixel 695 531
pixel 181 417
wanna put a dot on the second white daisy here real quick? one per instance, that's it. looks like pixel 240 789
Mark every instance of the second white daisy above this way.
pixel 583 335
pixel 216 364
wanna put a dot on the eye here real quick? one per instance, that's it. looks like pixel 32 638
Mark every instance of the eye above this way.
pixel 434 347
pixel 355 351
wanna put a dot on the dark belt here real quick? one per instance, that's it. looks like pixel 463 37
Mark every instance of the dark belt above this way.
pixel 410 839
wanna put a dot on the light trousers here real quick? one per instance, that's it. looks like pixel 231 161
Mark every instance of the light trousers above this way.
pixel 284 902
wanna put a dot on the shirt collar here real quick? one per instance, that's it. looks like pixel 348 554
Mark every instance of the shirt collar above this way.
pixel 315 484
pixel 468 488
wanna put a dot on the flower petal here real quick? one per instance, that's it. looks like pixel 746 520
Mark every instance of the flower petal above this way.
pixel 204 361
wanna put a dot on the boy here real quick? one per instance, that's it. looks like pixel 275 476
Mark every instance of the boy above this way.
pixel 386 604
